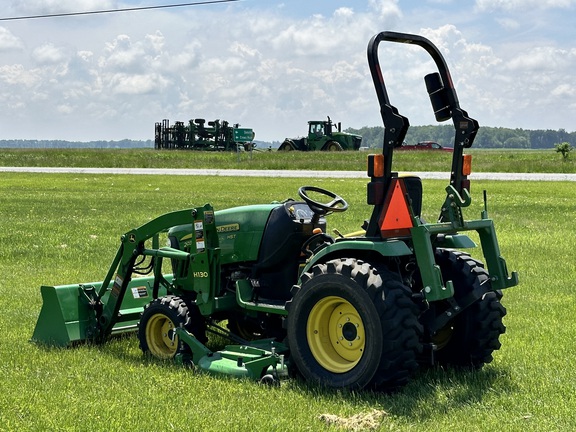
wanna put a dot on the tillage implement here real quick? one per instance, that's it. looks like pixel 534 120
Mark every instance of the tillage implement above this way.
pixel 362 310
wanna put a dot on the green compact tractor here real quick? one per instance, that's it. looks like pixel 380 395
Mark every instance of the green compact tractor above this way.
pixel 325 136
pixel 354 311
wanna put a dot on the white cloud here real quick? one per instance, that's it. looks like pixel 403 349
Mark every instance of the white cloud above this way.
pixel 244 50
pixel 130 84
pixel 48 54
pixel 156 40
pixel 65 109
pixel 123 56
pixel 17 75
pixel 522 5
pixel 85 55
pixel 8 41
pixel 565 90
pixel 541 59
pixel 344 12
pixel 386 9
pixel 113 78
pixel 39 7
pixel 341 73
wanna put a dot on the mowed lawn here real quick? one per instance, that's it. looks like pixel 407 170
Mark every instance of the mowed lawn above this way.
pixel 65 228
pixel 484 160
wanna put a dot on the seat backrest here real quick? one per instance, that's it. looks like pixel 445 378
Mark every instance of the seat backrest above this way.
pixel 413 186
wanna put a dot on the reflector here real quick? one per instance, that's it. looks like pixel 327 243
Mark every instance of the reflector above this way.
pixel 395 219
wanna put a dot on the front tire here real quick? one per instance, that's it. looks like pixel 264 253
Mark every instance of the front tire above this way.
pixel 351 326
pixel 157 326
pixel 333 146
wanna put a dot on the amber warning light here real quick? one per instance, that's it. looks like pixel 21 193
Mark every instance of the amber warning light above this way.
pixel 466 164
pixel 376 165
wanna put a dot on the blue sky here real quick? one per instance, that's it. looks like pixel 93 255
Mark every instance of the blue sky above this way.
pixel 273 65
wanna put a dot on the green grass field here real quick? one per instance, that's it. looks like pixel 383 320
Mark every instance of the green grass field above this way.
pixel 546 161
pixel 65 228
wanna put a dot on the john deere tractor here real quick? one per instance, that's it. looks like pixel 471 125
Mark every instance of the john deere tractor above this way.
pixel 362 310
pixel 325 136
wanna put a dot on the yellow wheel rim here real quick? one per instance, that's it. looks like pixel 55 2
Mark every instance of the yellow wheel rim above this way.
pixel 160 336
pixel 335 334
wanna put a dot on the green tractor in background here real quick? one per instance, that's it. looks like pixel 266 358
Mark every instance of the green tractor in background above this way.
pixel 354 311
pixel 325 136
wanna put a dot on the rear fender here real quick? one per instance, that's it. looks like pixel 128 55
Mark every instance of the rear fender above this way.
pixel 455 241
pixel 350 248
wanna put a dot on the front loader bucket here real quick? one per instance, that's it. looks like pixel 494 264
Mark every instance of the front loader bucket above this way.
pixel 64 317
pixel 67 315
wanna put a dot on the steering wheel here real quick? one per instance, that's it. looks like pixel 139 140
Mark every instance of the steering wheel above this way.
pixel 338 204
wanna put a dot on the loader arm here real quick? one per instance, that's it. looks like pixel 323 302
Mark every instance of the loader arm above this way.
pixel 91 311
pixel 131 247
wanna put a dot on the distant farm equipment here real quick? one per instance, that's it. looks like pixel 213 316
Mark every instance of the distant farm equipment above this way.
pixel 323 135
pixel 425 145
pixel 198 134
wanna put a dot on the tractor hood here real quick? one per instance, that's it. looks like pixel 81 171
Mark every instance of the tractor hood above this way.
pixel 240 231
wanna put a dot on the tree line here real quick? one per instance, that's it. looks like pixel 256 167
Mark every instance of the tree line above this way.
pixel 125 143
pixel 487 137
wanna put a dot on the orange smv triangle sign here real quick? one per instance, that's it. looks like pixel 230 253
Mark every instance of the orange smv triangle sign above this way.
pixel 395 219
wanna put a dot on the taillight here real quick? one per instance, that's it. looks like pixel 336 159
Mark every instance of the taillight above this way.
pixel 376 165
pixel 466 164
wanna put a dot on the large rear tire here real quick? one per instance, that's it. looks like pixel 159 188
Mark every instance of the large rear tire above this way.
pixel 351 326
pixel 286 146
pixel 470 339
